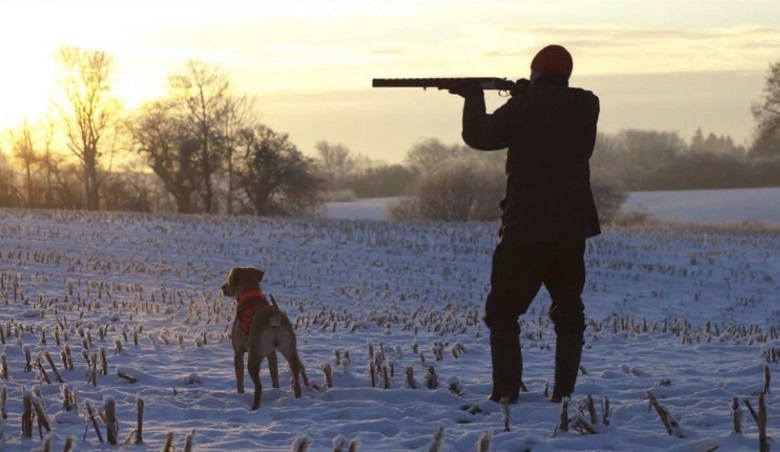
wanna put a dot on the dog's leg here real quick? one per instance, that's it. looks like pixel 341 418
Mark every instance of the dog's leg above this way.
pixel 303 373
pixel 238 363
pixel 273 369
pixel 254 373
pixel 295 368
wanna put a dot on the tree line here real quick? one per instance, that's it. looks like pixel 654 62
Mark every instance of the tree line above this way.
pixel 202 149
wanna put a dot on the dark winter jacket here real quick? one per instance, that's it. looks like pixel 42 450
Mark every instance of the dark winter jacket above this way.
pixel 550 133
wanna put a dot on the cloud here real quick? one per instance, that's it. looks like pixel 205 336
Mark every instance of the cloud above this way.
pixel 389 51
pixel 611 49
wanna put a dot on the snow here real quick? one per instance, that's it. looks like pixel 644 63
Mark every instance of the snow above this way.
pixel 686 315
pixel 361 209
pixel 690 206
pixel 709 206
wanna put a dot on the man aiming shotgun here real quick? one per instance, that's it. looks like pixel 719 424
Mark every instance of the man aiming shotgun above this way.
pixel 549 130
pixel 549 211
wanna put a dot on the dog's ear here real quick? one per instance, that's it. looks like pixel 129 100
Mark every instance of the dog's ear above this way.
pixel 259 273
pixel 231 279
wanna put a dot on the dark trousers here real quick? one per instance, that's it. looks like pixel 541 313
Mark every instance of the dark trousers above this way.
pixel 518 272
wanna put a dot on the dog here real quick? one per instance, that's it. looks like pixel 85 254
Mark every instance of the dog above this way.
pixel 260 329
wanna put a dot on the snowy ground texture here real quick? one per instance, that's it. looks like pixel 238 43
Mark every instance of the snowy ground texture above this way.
pixel 709 206
pixel 690 317
pixel 760 205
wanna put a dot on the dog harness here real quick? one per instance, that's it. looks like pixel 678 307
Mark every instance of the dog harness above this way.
pixel 248 303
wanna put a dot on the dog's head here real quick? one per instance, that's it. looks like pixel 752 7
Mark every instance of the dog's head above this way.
pixel 242 279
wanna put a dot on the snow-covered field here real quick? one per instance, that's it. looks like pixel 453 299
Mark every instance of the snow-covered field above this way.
pixel 709 206
pixel 690 317
pixel 760 205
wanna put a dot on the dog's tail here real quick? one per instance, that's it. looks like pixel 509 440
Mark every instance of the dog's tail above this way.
pixel 273 301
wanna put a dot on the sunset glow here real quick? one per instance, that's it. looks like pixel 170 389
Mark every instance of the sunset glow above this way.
pixel 311 63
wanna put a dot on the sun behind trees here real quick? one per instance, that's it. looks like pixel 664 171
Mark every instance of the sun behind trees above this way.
pixel 89 112
pixel 200 148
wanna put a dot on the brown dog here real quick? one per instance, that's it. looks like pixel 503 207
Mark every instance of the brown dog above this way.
pixel 260 328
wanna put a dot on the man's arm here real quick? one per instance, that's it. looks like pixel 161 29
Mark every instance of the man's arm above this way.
pixel 593 118
pixel 486 132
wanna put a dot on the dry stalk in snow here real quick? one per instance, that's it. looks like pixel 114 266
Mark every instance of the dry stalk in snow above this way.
pixel 410 378
pixel 431 379
pixel 767 380
pixel 112 424
pixel 763 441
pixel 301 443
pixel 40 412
pixel 3 365
pixel 3 401
pixel 483 445
pixel 328 371
pixel 42 369
pixel 53 366
pixel 121 373
pixel 168 446
pixel 27 359
pixel 591 406
pixel 736 413
pixel 751 410
pixel 139 429
pixel 188 441
pixel 563 425
pixel 69 446
pixel 506 413
pixel 583 426
pixel 27 415
pixel 46 447
pixel 91 413
pixel 438 441
pixel 103 361
pixel 671 424
pixel 386 376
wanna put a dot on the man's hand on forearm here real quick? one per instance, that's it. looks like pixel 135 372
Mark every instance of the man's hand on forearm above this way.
pixel 465 90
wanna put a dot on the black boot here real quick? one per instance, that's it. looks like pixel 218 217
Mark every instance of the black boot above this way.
pixel 507 361
pixel 568 351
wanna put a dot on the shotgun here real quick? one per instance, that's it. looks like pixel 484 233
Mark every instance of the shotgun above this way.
pixel 501 84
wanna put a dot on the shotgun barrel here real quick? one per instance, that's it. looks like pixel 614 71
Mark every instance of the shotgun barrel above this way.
pixel 496 83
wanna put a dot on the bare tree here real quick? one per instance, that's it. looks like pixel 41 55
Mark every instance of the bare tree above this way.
pixel 64 185
pixel 238 114
pixel 9 194
pixel 170 147
pixel 460 191
pixel 431 154
pixel 275 176
pixel 204 94
pixel 767 116
pixel 337 162
pixel 23 148
pixel 90 111
pixel 128 191
pixel 631 157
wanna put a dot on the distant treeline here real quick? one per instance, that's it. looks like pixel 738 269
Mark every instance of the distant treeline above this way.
pixel 641 160
pixel 200 148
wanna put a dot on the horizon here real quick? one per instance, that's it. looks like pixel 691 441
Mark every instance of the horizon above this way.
pixel 668 66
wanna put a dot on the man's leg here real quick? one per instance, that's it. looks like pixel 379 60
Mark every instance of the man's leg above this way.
pixel 516 277
pixel 565 282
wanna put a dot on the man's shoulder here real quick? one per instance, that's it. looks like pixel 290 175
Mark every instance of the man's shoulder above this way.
pixel 577 91
pixel 585 97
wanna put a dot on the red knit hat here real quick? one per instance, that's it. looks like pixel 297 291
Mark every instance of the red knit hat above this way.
pixel 553 58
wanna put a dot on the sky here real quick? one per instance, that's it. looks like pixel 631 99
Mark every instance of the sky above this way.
pixel 662 65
